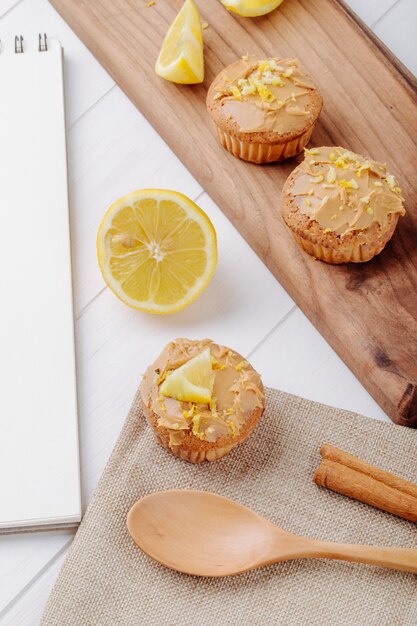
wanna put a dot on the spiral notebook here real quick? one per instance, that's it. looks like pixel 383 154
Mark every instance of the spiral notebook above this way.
pixel 39 459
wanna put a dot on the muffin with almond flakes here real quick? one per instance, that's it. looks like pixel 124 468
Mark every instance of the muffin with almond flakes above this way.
pixel 201 399
pixel 341 207
pixel 264 110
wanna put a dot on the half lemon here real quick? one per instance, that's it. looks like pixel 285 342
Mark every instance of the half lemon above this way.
pixel 157 250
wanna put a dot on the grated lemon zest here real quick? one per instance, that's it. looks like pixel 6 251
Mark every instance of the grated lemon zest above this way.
pixel 196 426
pixel 248 90
pixel 340 162
pixel 264 66
pixel 348 184
pixel 236 93
pixel 265 94
pixel 275 81
pixel 232 427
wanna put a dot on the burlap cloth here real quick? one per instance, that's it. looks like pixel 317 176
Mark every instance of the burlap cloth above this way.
pixel 107 581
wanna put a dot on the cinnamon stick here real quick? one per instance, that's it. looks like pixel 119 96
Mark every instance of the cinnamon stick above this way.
pixel 332 453
pixel 352 477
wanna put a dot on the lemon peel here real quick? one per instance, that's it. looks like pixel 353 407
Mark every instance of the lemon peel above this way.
pixel 251 8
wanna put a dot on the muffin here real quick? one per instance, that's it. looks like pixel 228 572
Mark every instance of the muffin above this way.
pixel 263 110
pixel 203 430
pixel 341 207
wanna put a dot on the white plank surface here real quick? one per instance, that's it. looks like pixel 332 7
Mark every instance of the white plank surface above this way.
pixel 28 607
pixel 294 357
pixel 112 150
pixel 398 30
pixel 370 11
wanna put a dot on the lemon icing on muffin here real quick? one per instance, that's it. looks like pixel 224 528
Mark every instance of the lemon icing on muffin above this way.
pixel 237 391
pixel 344 191
pixel 266 95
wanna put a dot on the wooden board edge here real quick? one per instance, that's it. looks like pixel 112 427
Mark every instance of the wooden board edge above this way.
pixel 399 66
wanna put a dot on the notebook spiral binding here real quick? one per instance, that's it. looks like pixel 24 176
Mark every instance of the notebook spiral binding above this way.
pixel 19 43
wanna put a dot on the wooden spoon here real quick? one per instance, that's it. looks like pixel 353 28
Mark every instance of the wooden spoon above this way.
pixel 200 533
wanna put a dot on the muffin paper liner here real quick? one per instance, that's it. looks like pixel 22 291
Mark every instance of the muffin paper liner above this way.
pixel 263 152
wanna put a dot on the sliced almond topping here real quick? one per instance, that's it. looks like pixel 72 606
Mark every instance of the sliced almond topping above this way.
pixel 331 175
pixel 317 179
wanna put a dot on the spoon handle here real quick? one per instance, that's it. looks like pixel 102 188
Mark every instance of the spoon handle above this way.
pixel 403 559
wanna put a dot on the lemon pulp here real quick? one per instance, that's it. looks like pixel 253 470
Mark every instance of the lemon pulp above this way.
pixel 156 250
pixel 191 382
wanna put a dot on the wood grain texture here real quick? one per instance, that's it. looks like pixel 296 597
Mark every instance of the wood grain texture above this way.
pixel 368 313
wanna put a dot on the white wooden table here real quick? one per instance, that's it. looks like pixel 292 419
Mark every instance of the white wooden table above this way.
pixel 113 150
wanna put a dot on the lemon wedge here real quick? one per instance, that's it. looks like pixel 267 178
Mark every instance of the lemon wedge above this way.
pixel 192 382
pixel 251 8
pixel 181 57
pixel 156 250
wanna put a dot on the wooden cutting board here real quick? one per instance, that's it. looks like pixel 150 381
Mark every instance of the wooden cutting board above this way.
pixel 367 312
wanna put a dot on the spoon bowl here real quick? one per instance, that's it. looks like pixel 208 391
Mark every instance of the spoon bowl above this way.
pixel 201 533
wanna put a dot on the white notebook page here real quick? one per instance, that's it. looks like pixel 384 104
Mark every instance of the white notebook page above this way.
pixel 39 460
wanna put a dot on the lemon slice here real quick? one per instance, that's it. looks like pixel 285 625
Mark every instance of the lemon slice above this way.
pixel 181 57
pixel 251 8
pixel 156 250
pixel 192 382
